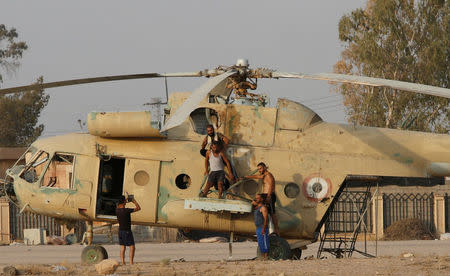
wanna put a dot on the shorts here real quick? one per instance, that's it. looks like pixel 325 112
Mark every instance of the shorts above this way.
pixel 271 205
pixel 126 238
pixel 215 177
pixel 263 240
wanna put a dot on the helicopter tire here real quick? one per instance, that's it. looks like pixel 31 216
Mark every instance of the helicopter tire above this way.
pixel 279 248
pixel 93 254
pixel 296 254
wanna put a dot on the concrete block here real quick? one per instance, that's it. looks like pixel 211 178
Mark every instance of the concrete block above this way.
pixel 34 236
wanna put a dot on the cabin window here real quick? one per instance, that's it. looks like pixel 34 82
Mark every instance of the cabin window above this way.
pixel 36 165
pixel 291 190
pixel 141 178
pixel 59 173
pixel 201 117
pixel 183 181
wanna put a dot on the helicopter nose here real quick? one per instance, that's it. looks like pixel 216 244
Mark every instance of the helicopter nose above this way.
pixel 8 185
pixel 8 182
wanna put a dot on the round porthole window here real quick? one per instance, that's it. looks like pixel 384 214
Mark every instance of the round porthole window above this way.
pixel 291 190
pixel 183 181
pixel 141 178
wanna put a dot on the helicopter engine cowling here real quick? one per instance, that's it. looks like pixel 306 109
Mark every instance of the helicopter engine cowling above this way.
pixel 123 124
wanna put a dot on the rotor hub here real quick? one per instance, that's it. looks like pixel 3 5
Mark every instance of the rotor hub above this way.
pixel 242 62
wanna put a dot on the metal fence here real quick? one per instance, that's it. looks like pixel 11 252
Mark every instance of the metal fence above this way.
pixel 398 206
pixel 346 212
pixel 447 213
pixel 19 221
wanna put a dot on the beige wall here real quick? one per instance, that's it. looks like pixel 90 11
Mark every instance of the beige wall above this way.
pixel 8 156
pixel 4 221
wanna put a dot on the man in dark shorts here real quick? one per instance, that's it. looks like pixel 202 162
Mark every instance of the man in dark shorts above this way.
pixel 214 165
pixel 268 191
pixel 125 235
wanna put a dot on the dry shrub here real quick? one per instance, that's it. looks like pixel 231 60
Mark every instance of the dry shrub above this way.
pixel 408 229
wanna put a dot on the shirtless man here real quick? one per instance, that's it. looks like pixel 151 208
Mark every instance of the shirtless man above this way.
pixel 268 191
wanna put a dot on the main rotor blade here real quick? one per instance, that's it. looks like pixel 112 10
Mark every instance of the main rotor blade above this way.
pixel 194 99
pixel 92 80
pixel 401 85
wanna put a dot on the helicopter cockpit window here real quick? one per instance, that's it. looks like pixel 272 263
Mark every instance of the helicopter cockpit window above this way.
pixel 59 172
pixel 36 163
pixel 201 117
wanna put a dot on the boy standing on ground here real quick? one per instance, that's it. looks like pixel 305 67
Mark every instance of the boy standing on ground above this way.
pixel 125 235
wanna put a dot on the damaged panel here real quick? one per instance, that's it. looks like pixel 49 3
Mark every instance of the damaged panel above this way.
pixel 251 125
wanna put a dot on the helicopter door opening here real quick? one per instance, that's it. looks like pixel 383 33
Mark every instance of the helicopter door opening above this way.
pixel 110 186
pixel 201 117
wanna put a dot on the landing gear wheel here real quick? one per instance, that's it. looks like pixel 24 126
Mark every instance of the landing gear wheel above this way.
pixel 93 254
pixel 296 254
pixel 279 248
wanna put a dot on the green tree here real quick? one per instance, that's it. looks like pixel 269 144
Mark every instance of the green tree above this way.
pixel 19 113
pixel 404 40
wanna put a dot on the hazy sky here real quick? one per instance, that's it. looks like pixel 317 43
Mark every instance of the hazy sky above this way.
pixel 79 39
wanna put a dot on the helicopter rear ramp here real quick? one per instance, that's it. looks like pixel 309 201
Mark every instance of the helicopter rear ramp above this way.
pixel 215 205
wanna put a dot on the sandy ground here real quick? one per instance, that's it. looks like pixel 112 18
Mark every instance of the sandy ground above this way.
pixel 430 258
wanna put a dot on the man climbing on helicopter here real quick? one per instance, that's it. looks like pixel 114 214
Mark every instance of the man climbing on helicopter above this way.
pixel 214 164
pixel 211 136
pixel 268 191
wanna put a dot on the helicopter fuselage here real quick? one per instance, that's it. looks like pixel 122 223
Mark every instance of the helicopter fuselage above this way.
pixel 80 176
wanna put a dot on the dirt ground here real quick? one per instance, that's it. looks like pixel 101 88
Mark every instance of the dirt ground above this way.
pixel 431 265
pixel 429 258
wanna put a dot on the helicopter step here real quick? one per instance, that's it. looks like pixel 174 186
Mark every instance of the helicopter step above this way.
pixel 216 205
pixel 341 242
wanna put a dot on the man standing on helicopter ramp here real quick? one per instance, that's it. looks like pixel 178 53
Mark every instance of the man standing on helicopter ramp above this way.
pixel 214 168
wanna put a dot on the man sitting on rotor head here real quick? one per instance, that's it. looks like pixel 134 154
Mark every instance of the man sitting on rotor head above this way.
pixel 214 163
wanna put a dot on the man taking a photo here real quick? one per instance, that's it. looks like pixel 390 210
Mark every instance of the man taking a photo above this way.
pixel 124 218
